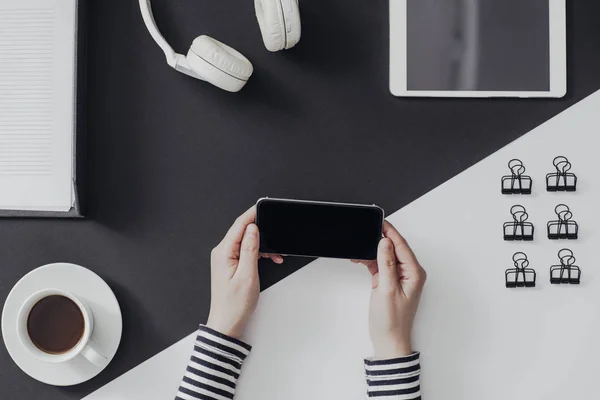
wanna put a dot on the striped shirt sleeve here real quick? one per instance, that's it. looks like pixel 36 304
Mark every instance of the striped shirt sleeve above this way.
pixel 214 367
pixel 395 379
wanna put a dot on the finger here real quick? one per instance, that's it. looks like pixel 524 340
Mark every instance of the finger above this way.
pixel 403 251
pixel 412 275
pixel 386 261
pixel 375 281
pixel 277 259
pixel 234 236
pixel 372 267
pixel 412 278
pixel 248 264
pixel 373 270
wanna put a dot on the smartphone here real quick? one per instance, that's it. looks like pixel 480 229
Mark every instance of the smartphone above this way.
pixel 319 229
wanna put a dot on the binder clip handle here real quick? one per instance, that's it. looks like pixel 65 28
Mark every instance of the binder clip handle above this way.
pixel 566 216
pixel 520 260
pixel 568 261
pixel 563 212
pixel 565 253
pixel 518 256
pixel 561 164
pixel 516 167
pixel 566 257
pixel 518 213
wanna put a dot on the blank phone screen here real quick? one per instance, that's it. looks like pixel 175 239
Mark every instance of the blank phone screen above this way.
pixel 319 229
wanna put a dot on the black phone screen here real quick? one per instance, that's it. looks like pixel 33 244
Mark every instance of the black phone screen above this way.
pixel 319 229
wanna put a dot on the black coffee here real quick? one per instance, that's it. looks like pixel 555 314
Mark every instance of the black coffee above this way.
pixel 55 324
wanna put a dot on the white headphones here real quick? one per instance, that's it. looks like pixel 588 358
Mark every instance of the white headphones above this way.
pixel 215 62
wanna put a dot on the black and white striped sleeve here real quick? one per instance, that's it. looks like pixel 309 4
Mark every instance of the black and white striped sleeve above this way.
pixel 395 379
pixel 214 367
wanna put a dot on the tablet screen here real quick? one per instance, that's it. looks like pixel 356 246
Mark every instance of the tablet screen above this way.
pixel 478 45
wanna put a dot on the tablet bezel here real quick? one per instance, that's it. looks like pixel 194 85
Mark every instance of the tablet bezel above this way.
pixel 398 64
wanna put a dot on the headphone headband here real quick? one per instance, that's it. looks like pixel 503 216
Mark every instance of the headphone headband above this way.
pixel 176 61
pixel 170 54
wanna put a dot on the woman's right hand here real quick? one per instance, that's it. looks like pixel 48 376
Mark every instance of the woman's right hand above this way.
pixel 397 282
pixel 235 285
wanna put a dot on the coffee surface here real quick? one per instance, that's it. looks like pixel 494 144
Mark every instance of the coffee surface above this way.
pixel 55 324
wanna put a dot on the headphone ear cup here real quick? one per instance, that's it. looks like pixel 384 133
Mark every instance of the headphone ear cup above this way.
pixel 279 22
pixel 219 64
pixel 291 13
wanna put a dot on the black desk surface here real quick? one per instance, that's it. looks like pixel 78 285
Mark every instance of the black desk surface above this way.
pixel 172 161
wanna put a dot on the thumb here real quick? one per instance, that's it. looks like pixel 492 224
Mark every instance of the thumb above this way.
pixel 386 261
pixel 248 264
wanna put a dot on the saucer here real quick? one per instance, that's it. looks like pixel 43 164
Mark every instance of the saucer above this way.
pixel 90 288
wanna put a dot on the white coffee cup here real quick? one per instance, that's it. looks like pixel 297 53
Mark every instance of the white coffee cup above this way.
pixel 83 347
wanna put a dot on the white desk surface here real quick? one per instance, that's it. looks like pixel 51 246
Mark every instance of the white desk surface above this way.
pixel 478 339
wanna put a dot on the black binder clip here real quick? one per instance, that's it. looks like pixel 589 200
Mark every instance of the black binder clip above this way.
pixel 566 272
pixel 518 229
pixel 516 182
pixel 520 275
pixel 564 227
pixel 561 180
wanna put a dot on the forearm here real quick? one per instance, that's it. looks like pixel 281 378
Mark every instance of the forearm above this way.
pixel 214 366
pixel 394 379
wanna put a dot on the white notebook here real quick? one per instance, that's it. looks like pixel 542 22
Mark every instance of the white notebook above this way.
pixel 37 104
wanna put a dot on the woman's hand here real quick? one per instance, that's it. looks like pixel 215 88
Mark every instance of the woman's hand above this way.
pixel 235 285
pixel 397 283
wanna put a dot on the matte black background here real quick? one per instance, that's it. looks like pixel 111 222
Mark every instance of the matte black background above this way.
pixel 172 161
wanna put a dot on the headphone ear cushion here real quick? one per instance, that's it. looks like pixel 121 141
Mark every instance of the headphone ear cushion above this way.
pixel 221 57
pixel 270 18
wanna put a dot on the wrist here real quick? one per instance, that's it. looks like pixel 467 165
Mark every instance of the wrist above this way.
pixel 224 328
pixel 391 350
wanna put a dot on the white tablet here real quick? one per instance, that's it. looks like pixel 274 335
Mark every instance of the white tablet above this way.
pixel 478 48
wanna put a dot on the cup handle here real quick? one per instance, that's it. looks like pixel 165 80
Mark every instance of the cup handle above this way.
pixel 93 356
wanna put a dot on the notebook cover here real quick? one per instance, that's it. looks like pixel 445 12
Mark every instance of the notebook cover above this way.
pixel 79 132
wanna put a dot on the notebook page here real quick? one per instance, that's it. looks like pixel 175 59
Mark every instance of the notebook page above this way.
pixel 37 103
